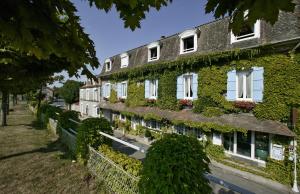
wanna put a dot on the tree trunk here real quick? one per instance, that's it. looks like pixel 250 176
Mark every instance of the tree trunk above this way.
pixel 14 99
pixel 7 108
pixel 70 105
pixel 4 107
pixel 39 98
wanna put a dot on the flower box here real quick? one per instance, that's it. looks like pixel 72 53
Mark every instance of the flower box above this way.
pixel 244 105
pixel 185 104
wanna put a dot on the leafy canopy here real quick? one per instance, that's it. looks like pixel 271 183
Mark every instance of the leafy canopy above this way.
pixel 70 91
pixel 267 10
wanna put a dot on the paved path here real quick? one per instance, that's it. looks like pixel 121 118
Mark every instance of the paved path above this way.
pixel 220 172
pixel 33 161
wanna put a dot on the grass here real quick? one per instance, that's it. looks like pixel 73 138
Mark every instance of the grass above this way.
pixel 34 161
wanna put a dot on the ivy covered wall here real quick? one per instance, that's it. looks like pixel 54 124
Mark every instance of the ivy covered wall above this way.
pixel 135 94
pixel 167 90
pixel 281 83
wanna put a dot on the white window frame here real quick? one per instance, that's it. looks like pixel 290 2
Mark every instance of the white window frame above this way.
pixel 107 61
pixel 189 85
pixel 188 34
pixel 106 87
pixel 244 85
pixel 87 94
pixel 122 56
pixel 95 94
pixel 153 89
pixel 124 89
pixel 122 119
pixel 81 93
pixel 152 46
pixel 256 34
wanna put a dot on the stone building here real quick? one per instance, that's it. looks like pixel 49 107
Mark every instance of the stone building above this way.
pixel 89 97
pixel 235 91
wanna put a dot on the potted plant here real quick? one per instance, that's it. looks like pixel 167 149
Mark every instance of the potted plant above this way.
pixel 148 135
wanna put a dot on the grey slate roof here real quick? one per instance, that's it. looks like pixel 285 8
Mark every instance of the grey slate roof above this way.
pixel 245 121
pixel 213 37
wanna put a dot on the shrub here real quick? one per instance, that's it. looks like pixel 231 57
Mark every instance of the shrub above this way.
pixel 131 165
pixel 113 96
pixel 214 151
pixel 64 122
pixel 88 134
pixel 212 111
pixel 148 133
pixel 47 111
pixel 175 164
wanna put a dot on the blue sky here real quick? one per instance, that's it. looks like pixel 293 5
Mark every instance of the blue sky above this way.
pixel 111 38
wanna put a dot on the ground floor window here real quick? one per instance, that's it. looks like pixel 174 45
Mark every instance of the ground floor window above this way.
pixel 261 145
pixel 228 139
pixel 244 144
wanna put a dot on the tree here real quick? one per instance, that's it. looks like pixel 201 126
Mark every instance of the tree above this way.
pixel 70 92
pixel 255 9
pixel 175 164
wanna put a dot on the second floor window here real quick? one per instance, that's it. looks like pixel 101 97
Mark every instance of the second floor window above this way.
pixel 244 85
pixel 188 90
pixel 123 89
pixel 106 90
pixel 153 89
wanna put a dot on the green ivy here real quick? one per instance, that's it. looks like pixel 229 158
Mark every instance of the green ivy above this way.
pixel 167 90
pixel 135 94
pixel 113 98
pixel 152 116
pixel 208 126
pixel 212 111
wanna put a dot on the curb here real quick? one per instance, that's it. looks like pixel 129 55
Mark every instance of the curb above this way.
pixel 252 177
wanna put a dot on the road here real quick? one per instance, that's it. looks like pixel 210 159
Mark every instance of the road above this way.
pixel 228 177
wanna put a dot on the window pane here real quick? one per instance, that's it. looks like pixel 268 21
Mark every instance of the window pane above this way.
pixel 228 141
pixel 246 31
pixel 248 85
pixel 240 85
pixel 191 89
pixel 188 43
pixel 261 145
pixel 244 144
pixel 153 53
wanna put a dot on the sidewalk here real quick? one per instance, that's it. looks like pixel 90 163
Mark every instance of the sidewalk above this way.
pixel 245 180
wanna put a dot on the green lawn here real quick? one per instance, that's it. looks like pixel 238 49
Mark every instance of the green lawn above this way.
pixel 33 161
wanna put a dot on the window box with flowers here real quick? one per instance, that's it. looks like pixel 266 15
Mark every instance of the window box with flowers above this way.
pixel 185 104
pixel 150 102
pixel 245 106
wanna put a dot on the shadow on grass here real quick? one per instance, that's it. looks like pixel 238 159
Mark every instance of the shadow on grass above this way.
pixel 50 147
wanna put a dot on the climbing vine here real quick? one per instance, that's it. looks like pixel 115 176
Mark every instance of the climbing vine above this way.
pixel 135 94
pixel 167 91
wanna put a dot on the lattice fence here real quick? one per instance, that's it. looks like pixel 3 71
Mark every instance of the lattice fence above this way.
pixel 114 177
pixel 68 137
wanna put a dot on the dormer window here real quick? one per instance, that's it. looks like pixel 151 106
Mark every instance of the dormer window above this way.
pixel 107 65
pixel 153 51
pixel 124 60
pixel 247 32
pixel 188 41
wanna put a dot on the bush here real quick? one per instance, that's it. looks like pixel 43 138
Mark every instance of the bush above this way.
pixel 175 164
pixel 88 134
pixel 64 122
pixel 131 165
pixel 47 111
pixel 148 133
pixel 214 151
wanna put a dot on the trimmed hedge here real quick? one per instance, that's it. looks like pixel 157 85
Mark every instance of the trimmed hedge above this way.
pixel 130 165
pixel 88 134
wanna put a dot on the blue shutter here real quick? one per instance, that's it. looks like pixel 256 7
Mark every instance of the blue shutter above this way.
pixel 119 90
pixel 258 83
pixel 195 85
pixel 156 87
pixel 231 85
pixel 179 93
pixel 147 88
